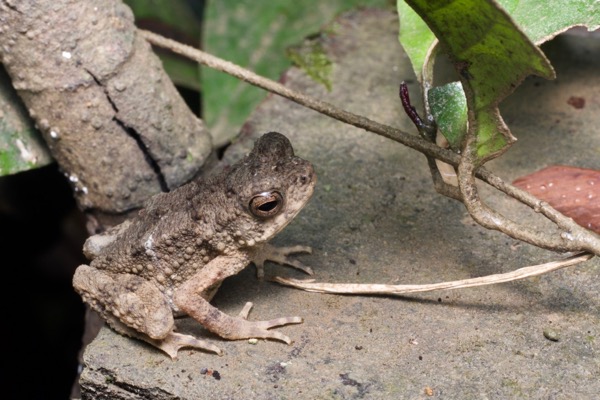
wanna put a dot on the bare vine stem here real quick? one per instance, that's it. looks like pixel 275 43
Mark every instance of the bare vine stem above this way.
pixel 572 238
pixel 398 290
pixel 323 107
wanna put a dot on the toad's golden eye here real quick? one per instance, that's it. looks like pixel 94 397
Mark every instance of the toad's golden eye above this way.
pixel 266 204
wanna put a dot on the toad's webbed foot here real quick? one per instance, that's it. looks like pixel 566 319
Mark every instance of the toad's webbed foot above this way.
pixel 260 329
pixel 279 255
pixel 170 344
pixel 175 341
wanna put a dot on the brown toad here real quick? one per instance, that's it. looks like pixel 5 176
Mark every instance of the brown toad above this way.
pixel 173 256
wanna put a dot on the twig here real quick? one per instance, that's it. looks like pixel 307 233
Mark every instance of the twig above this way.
pixel 323 107
pixel 573 238
pixel 579 238
pixel 397 290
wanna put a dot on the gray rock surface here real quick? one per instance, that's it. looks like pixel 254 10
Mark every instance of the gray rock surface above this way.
pixel 375 218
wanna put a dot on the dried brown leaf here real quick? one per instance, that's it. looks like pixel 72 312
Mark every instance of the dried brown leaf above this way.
pixel 573 191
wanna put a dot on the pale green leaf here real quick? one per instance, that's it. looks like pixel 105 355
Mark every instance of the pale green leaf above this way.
pixel 449 108
pixel 415 36
pixel 542 20
pixel 21 146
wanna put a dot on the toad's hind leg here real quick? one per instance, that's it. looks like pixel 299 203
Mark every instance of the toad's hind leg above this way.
pixel 233 328
pixel 134 307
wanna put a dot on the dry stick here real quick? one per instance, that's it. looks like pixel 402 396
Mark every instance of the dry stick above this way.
pixel 323 107
pixel 586 239
pixel 491 219
pixel 366 288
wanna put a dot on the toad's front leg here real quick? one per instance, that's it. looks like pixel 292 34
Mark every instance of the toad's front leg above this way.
pixel 279 255
pixel 189 299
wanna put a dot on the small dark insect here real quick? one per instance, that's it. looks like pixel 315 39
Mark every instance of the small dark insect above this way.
pixel 214 373
pixel 576 102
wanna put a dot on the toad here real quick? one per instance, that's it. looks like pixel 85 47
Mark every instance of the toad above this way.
pixel 172 257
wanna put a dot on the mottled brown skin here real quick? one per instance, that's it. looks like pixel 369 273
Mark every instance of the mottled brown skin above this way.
pixel 173 256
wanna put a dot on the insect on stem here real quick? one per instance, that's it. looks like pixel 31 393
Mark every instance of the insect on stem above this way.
pixel 409 109
pixel 427 131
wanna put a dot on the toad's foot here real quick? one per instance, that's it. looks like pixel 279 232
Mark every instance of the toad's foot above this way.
pixel 175 341
pixel 170 344
pixel 279 255
pixel 259 329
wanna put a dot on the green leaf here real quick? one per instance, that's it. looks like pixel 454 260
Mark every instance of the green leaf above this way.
pixel 311 57
pixel 415 36
pixel 256 35
pixel 21 147
pixel 539 20
pixel 492 57
pixel 449 108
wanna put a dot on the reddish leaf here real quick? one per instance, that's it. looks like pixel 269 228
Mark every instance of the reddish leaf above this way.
pixel 573 191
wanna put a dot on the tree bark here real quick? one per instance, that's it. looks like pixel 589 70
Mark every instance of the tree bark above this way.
pixel 111 116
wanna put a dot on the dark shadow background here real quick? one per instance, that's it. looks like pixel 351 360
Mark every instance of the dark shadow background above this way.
pixel 41 236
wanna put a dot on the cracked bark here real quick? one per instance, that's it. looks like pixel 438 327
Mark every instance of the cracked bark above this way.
pixel 111 116
pixel 138 139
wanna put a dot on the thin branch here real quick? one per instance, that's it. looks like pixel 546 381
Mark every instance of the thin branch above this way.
pixel 579 238
pixel 323 107
pixel 573 237
pixel 398 290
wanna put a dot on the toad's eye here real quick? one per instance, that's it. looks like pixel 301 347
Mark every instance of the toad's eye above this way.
pixel 266 204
